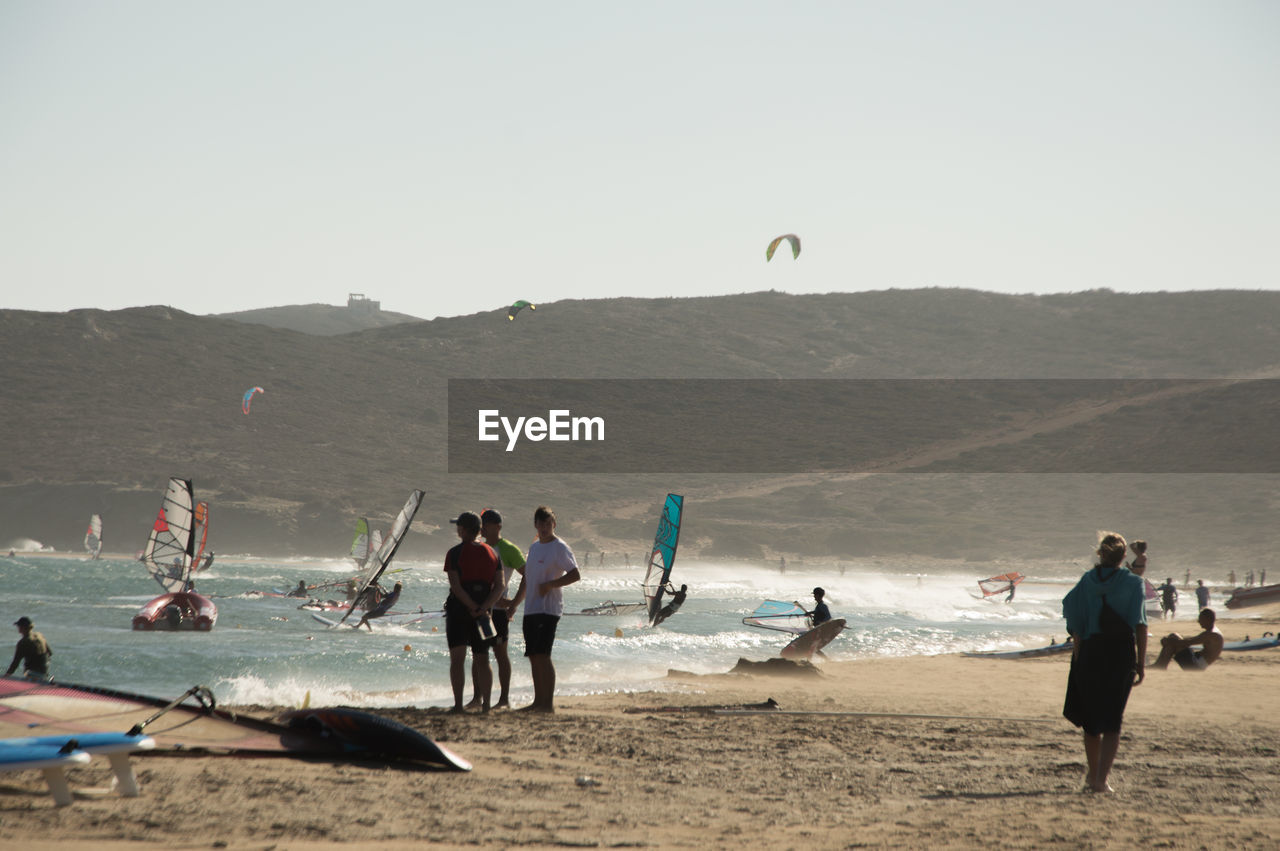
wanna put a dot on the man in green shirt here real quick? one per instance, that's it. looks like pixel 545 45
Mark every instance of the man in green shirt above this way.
pixel 32 651
pixel 512 561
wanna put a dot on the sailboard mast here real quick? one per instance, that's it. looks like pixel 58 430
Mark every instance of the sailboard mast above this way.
pixel 93 537
pixel 168 551
pixel 662 556
pixel 379 561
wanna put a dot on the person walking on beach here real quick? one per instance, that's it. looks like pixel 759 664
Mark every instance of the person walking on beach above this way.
pixel 549 567
pixel 512 561
pixel 1107 621
pixel 1178 649
pixel 1168 598
pixel 1202 594
pixel 32 651
pixel 475 585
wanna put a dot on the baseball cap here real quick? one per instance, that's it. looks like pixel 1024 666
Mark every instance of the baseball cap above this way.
pixel 22 621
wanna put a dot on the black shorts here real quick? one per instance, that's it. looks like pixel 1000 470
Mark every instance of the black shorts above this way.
pixel 502 623
pixel 460 628
pixel 539 634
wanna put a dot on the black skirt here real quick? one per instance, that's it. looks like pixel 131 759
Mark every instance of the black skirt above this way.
pixel 1099 683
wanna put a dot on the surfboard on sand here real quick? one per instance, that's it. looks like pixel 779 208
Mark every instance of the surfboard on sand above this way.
pixel 49 759
pixel 115 746
pixel 808 643
pixel 1026 653
pixel 1267 640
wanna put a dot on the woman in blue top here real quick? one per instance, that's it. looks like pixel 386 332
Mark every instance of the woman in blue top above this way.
pixel 1107 619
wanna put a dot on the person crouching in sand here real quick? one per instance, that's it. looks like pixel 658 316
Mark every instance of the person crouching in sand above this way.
pixel 1178 649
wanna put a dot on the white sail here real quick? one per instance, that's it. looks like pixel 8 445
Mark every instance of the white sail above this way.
pixel 168 551
pixel 93 537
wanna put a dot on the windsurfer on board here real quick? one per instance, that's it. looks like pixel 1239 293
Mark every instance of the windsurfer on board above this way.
pixel 677 600
pixel 384 605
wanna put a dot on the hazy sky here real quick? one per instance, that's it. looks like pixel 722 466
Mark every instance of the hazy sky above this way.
pixel 449 158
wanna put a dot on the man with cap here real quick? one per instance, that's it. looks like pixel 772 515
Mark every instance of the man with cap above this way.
pixel 512 561
pixel 33 651
pixel 475 585
pixel 820 614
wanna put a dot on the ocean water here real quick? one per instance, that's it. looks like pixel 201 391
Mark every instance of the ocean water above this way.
pixel 267 651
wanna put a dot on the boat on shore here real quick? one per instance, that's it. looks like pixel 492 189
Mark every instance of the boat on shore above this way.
pixel 1257 596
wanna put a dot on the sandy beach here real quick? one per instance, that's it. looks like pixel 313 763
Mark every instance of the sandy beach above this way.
pixel 942 751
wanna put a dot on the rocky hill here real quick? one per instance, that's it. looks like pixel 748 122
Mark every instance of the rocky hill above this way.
pixel 98 408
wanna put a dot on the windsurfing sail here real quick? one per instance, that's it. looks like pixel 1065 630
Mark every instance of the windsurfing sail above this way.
pixel 168 552
pixel 200 534
pixel 1001 584
pixel 784 617
pixel 663 555
pixel 379 561
pixel 360 549
pixel 93 537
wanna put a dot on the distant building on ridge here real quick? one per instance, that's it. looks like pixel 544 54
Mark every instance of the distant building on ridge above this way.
pixel 357 301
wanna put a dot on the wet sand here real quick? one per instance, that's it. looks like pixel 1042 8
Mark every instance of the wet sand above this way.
pixel 936 752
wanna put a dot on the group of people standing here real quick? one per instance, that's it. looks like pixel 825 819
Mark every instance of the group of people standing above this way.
pixel 478 611
pixel 1107 620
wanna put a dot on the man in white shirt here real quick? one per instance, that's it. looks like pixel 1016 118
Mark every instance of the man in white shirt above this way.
pixel 549 567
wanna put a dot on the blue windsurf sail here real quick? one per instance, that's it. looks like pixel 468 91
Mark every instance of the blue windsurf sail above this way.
pixel 663 555
pixel 784 617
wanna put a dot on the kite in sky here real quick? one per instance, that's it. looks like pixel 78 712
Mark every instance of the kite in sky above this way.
pixel 515 308
pixel 248 398
pixel 790 237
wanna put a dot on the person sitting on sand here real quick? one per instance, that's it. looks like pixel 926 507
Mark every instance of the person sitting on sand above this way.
pixel 384 605
pixel 820 614
pixel 677 600
pixel 1177 648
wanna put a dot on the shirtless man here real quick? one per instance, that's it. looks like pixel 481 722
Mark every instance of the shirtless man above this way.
pixel 1177 648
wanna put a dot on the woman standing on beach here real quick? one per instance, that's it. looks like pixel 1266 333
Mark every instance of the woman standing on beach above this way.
pixel 1107 620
